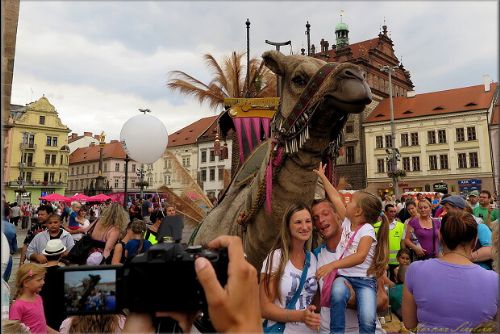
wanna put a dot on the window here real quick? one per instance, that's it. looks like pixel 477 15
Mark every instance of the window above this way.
pixel 460 134
pixel 186 161
pixel 431 137
pixel 203 156
pixel 29 140
pixel 203 175
pixel 212 155
pixel 212 174
pixel 168 179
pixel 433 162
pixel 414 139
pixel 49 141
pixel 416 163
pixel 380 165
pixel 48 176
pixel 47 159
pixel 349 128
pixel 473 162
pixel 53 159
pixel 462 160
pixel 54 141
pixel 117 167
pixel 41 120
pixel 350 154
pixel 221 173
pixel 105 167
pixel 471 133
pixel 116 183
pixel 133 168
pixel 388 141
pixel 404 139
pixel 72 170
pixel 61 160
pixel 443 160
pixel 442 136
pixel 389 166
pixel 379 142
pixel 406 164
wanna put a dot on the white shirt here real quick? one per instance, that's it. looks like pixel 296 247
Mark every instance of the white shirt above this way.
pixel 366 230
pixel 84 225
pixel 288 285
pixel 326 256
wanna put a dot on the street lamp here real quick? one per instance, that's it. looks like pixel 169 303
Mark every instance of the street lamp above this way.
pixel 394 153
pixel 144 139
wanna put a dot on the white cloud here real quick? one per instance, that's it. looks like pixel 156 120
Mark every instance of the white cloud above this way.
pixel 99 61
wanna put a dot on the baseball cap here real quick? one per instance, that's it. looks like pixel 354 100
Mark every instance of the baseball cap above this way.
pixel 474 193
pixel 455 200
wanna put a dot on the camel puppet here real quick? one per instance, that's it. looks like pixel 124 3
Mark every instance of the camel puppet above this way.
pixel 316 98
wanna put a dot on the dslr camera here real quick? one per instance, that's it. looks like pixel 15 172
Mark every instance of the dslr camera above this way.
pixel 161 279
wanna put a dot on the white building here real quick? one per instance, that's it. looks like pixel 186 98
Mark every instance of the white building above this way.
pixel 75 141
pixel 442 137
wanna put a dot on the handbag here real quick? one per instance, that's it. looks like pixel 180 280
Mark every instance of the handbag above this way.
pixel 80 251
pixel 328 280
pixel 279 327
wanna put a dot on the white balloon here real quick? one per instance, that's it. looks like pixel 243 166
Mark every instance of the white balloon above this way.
pixel 144 138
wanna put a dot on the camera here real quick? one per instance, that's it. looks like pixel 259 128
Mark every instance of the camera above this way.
pixel 161 279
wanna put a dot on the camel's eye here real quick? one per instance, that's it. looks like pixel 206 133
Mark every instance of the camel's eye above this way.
pixel 300 80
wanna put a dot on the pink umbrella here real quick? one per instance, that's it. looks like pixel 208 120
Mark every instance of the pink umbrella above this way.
pixel 54 198
pixel 79 198
pixel 99 198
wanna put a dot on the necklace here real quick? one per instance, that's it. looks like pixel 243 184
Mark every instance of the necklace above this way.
pixel 462 255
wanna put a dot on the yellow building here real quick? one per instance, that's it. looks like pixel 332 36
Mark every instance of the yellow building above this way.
pixel 442 138
pixel 36 152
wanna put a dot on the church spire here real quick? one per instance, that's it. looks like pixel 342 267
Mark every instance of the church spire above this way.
pixel 341 33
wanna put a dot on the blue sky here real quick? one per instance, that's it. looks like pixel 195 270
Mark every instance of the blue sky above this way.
pixel 98 62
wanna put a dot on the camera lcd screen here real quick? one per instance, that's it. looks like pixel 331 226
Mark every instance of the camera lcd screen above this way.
pixel 90 291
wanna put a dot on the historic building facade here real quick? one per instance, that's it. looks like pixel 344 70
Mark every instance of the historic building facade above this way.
pixel 370 55
pixel 37 153
pixel 75 141
pixel 84 169
pixel 443 139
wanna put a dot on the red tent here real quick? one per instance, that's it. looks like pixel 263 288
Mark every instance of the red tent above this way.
pixel 99 198
pixel 79 198
pixel 54 198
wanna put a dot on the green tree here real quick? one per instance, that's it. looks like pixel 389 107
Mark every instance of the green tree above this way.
pixel 229 81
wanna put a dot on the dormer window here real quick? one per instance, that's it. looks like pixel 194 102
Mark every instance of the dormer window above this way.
pixel 438 108
pixel 408 112
pixel 471 104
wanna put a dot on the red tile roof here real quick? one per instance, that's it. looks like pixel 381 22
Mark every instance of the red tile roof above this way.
pixel 435 103
pixel 357 49
pixel 113 150
pixel 189 134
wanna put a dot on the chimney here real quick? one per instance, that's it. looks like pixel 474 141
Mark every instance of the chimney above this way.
pixel 74 135
pixel 87 134
pixel 411 93
pixel 486 81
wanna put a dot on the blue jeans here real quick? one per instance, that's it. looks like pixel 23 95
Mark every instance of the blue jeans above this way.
pixel 365 289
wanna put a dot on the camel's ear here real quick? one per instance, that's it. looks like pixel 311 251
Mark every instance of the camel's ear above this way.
pixel 274 60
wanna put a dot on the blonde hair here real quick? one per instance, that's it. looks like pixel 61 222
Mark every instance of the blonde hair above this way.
pixel 14 327
pixel 27 272
pixel 96 323
pixel 284 243
pixel 114 215
pixel 372 211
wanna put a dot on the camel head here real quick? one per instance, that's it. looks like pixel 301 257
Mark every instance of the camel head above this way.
pixel 316 98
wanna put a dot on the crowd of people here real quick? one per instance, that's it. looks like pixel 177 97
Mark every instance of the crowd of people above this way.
pixel 333 268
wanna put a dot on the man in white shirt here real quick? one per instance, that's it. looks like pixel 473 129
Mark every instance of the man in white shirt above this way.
pixel 328 224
